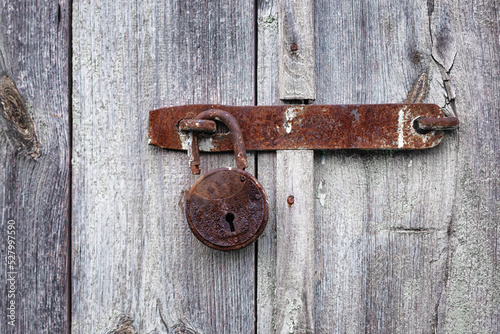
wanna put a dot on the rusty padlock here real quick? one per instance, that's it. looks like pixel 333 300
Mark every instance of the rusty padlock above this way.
pixel 226 208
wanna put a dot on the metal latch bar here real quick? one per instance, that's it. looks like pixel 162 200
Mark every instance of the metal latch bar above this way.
pixel 325 127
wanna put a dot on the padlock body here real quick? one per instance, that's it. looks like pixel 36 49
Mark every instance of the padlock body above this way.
pixel 227 209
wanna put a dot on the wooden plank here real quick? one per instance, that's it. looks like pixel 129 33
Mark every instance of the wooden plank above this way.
pixel 382 218
pixel 267 94
pixel 294 176
pixel 295 242
pixel 297 80
pixel 285 271
pixel 137 266
pixel 34 154
pixel 466 77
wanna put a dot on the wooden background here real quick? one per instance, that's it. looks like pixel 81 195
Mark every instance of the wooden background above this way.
pixel 405 242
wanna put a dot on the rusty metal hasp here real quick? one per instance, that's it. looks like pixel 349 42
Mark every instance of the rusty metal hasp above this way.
pixel 227 208
pixel 316 127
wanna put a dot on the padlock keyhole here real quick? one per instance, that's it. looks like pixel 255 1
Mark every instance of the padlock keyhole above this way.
pixel 230 219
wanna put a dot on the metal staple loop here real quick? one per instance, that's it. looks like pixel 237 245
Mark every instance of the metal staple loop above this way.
pixel 437 123
pixel 234 128
pixel 197 125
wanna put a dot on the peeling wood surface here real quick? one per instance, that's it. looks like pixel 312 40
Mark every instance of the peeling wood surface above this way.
pixel 133 253
pixel 417 93
pixel 35 170
pixel 382 219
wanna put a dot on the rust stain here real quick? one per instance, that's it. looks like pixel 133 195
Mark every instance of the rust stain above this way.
pixel 21 126
pixel 182 198
pixel 317 127
pixel 437 123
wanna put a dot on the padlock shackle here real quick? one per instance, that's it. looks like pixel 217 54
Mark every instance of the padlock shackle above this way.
pixel 240 152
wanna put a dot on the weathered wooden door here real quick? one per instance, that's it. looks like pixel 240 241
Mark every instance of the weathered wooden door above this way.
pixel 375 242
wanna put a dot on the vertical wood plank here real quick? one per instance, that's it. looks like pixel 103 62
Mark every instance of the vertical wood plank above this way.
pixel 136 264
pixel 404 243
pixel 382 239
pixel 295 241
pixel 285 272
pixel 296 50
pixel 294 177
pixel 267 94
pixel 34 177
pixel 466 53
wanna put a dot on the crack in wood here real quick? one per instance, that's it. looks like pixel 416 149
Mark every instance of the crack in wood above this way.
pixel 412 230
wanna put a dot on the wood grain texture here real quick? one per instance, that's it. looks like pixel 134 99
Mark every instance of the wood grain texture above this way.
pixel 34 154
pixel 295 242
pixel 285 284
pixel 267 94
pixel 466 52
pixel 136 263
pixel 294 177
pixel 382 218
pixel 21 128
pixel 296 50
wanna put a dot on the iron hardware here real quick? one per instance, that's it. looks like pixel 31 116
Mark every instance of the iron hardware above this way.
pixel 227 208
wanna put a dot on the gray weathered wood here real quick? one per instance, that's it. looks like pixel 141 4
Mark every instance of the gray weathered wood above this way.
pixel 294 177
pixel 407 240
pixel 466 79
pixel 296 66
pixel 382 218
pixel 137 266
pixel 295 242
pixel 285 282
pixel 267 94
pixel 34 154
pixel 285 272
